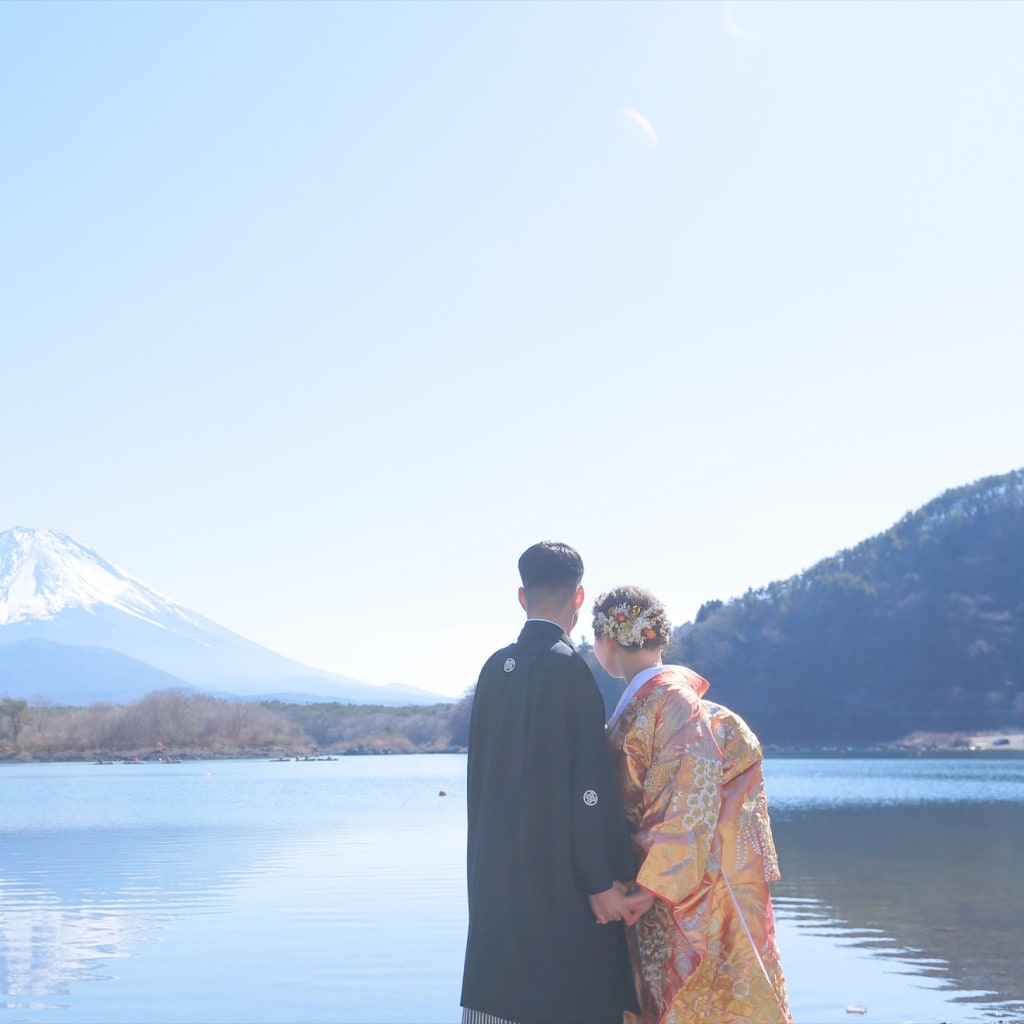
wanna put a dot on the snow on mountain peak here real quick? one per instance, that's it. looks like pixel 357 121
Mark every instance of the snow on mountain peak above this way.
pixel 44 572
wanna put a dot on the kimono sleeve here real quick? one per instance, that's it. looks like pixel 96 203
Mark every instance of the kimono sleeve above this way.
pixel 681 803
pixel 600 840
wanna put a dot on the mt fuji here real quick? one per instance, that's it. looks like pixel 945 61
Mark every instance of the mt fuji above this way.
pixel 76 629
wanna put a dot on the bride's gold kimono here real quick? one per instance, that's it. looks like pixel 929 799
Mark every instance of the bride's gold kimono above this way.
pixel 691 779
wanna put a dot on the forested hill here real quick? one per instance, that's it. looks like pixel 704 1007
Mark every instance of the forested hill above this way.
pixel 918 629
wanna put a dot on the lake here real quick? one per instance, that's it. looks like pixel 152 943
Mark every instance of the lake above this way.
pixel 300 892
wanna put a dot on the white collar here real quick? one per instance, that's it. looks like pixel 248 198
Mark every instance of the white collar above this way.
pixel 631 691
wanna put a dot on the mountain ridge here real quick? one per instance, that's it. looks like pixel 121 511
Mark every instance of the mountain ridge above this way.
pixel 55 589
pixel 68 675
pixel 918 628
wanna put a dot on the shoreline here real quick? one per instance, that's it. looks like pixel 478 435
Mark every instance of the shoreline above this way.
pixel 916 745
pixel 988 744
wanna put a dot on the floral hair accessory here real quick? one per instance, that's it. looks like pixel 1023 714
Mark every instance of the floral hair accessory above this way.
pixel 627 624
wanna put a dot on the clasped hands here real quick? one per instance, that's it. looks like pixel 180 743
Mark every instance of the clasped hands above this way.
pixel 621 903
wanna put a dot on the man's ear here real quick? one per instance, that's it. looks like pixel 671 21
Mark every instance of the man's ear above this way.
pixel 577 601
pixel 522 597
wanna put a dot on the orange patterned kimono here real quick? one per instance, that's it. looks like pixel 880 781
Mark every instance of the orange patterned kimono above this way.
pixel 690 772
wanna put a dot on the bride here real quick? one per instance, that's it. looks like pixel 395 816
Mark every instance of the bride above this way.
pixel 704 946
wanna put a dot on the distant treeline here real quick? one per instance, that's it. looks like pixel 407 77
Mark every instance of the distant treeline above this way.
pixel 406 729
pixel 918 628
pixel 177 723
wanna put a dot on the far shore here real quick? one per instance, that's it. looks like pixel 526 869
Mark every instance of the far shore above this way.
pixel 990 740
pixel 917 745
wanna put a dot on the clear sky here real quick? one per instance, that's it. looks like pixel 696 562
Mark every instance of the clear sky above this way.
pixel 315 315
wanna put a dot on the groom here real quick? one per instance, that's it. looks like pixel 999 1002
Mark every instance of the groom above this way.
pixel 548 846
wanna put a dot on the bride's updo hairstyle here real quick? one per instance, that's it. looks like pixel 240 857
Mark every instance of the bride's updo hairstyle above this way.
pixel 633 618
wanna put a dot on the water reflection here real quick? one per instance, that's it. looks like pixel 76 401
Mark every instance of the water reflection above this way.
pixel 335 892
pixel 808 783
pixel 73 900
pixel 934 885
pixel 242 891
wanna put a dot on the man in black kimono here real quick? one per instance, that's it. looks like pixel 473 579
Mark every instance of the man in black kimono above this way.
pixel 548 848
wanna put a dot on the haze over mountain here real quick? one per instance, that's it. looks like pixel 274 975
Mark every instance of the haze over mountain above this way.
pixel 74 629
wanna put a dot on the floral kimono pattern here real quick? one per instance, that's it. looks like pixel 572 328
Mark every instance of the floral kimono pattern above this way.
pixel 693 789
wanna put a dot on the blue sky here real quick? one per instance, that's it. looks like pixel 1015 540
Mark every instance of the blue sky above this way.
pixel 317 314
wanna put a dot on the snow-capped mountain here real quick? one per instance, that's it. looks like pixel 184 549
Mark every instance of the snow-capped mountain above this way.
pixel 56 590
pixel 44 573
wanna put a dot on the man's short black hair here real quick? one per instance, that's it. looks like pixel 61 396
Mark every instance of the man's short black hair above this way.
pixel 552 567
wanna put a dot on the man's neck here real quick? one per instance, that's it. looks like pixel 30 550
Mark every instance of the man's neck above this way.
pixel 544 618
pixel 559 616
pixel 552 607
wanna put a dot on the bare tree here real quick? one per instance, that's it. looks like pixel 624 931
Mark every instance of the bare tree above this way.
pixel 15 713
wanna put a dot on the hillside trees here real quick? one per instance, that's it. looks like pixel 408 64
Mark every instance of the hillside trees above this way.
pixel 920 627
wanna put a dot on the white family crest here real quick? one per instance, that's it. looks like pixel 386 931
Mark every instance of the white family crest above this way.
pixel 510 663
pixel 590 797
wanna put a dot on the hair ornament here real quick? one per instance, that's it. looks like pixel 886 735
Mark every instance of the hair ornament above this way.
pixel 628 625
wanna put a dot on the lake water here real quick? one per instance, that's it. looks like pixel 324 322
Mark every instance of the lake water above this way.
pixel 262 892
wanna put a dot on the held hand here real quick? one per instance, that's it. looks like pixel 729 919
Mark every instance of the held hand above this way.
pixel 638 902
pixel 609 905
